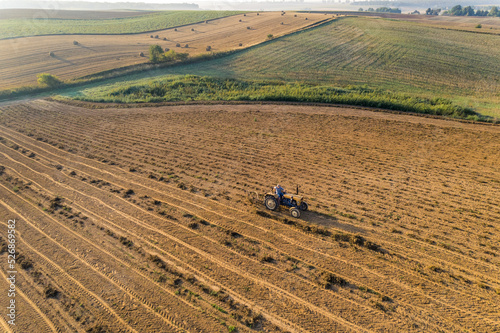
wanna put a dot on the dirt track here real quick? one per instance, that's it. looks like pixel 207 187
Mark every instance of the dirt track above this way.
pixel 21 59
pixel 139 219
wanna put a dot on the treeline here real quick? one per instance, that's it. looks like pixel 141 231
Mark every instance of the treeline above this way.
pixel 383 10
pixel 458 10
pixel 469 11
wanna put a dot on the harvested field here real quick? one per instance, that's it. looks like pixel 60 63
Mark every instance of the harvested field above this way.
pixel 22 58
pixel 490 25
pixel 385 54
pixel 137 219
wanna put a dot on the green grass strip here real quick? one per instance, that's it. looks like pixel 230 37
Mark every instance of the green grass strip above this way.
pixel 10 28
pixel 201 88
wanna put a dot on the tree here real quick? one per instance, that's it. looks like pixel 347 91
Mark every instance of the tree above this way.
pixel 494 11
pixel 432 11
pixel 48 80
pixel 456 10
pixel 468 11
pixel 388 10
pixel 156 54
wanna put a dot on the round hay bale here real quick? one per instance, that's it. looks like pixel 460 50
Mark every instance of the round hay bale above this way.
pixel 249 28
pixel 240 20
pixel 244 14
pixel 175 29
pixel 51 54
pixel 152 36
pixel 186 46
pixel 282 23
pixel 156 36
pixel 141 54
pixel 295 15
pixel 192 29
pixel 240 44
pixel 164 38
pixel 209 48
pixel 75 42
pixel 167 49
pixel 306 18
pixel 177 45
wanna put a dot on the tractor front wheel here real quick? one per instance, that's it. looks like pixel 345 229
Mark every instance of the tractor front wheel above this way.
pixel 295 212
pixel 271 203
pixel 303 206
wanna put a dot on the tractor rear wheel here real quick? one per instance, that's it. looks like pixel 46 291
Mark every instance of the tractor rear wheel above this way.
pixel 271 203
pixel 295 212
pixel 304 206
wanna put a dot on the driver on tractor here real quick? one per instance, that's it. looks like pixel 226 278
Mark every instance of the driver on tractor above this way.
pixel 279 191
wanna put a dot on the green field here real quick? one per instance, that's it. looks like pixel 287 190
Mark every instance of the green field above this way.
pixel 162 20
pixel 391 55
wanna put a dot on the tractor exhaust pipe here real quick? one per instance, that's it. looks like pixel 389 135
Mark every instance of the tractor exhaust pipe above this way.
pixel 297 189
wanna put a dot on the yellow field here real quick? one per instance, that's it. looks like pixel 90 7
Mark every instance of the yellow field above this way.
pixel 22 58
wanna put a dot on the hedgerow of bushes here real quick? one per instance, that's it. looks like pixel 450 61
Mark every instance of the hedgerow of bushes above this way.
pixel 188 88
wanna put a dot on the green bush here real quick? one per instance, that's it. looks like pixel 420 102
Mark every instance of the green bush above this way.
pixel 156 54
pixel 48 80
pixel 171 56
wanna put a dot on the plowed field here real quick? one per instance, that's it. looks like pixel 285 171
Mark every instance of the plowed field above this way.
pixel 21 59
pixel 137 219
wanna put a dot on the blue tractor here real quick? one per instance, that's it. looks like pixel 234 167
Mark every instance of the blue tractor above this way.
pixel 278 197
